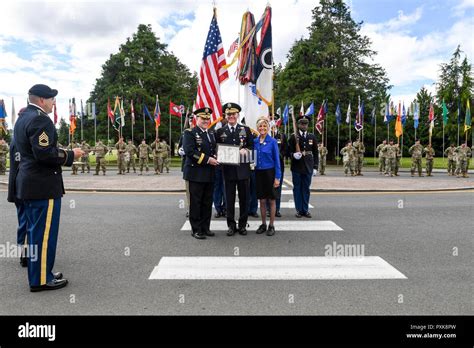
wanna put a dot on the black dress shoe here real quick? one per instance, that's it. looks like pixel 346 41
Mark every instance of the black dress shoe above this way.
pixel 58 275
pixel 278 214
pixel 210 233
pixel 187 214
pixel 23 261
pixel 242 231
pixel 52 285
pixel 262 228
pixel 307 215
pixel 218 215
pixel 298 215
pixel 271 230
pixel 198 235
pixel 231 231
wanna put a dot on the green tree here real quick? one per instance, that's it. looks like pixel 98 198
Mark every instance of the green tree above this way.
pixel 454 86
pixel 333 63
pixel 142 69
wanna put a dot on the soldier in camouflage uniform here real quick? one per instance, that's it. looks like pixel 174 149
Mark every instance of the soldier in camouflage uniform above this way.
pixel 348 155
pixel 463 153
pixel 157 158
pixel 429 156
pixel 416 152
pixel 450 152
pixel 132 151
pixel 85 159
pixel 121 149
pixel 381 157
pixel 322 154
pixel 398 157
pixel 143 151
pixel 390 154
pixel 166 156
pixel 359 150
pixel 3 156
pixel 75 166
pixel 100 150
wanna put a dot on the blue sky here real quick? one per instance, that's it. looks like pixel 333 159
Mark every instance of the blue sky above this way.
pixel 65 43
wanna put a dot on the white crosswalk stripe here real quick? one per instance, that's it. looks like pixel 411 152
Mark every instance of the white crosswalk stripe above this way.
pixel 275 268
pixel 280 225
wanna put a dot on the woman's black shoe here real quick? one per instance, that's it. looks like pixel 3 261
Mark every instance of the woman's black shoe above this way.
pixel 271 230
pixel 278 214
pixel 262 229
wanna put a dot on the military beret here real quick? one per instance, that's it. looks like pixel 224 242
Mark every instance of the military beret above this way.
pixel 43 91
pixel 303 119
pixel 230 108
pixel 204 113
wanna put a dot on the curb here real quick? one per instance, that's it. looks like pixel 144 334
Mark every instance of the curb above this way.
pixel 287 182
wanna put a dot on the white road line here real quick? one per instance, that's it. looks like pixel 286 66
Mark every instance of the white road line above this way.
pixel 276 268
pixel 290 205
pixel 286 192
pixel 280 225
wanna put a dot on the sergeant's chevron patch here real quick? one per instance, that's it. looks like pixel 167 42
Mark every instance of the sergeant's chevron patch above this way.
pixel 43 139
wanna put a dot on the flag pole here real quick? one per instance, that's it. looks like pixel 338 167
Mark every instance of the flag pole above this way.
pixel 144 128
pixel 458 130
pixel 169 135
pixel 443 142
pixel 82 115
pixel 337 155
pixel 375 134
pixel 108 129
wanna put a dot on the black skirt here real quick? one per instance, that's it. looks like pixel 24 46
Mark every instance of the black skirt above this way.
pixel 264 180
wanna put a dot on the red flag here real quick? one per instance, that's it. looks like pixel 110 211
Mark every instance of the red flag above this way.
pixel 55 113
pixel 431 114
pixel 233 47
pixel 175 109
pixel 110 113
pixel 212 72
pixel 321 118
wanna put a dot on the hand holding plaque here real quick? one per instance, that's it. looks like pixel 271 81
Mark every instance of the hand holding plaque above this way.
pixel 228 154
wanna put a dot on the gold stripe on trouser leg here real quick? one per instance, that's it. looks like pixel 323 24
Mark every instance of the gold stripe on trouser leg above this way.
pixel 44 249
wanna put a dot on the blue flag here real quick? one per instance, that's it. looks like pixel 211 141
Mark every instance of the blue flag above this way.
pixel 404 115
pixel 338 115
pixel 147 113
pixel 285 114
pixel 310 110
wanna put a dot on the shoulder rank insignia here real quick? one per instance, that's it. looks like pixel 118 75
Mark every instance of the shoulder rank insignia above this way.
pixel 43 140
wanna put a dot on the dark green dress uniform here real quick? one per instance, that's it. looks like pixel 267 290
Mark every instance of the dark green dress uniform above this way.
pixel 302 169
pixel 236 177
pixel 199 145
pixel 39 185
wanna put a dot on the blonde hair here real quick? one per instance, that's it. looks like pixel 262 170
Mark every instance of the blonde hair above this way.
pixel 263 119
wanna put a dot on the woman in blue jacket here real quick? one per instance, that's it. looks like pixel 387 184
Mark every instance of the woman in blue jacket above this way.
pixel 267 173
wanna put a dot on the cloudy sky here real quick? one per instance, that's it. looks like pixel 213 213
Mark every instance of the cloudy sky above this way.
pixel 64 43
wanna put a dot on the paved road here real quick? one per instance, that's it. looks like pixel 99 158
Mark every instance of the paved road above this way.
pixel 98 229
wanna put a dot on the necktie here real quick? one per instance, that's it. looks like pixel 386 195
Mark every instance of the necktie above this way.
pixel 232 130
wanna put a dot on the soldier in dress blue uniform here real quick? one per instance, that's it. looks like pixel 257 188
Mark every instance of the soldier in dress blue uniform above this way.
pixel 199 145
pixel 303 164
pixel 238 177
pixel 39 184
pixel 20 209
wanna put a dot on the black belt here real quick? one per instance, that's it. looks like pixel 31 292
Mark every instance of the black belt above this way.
pixel 307 153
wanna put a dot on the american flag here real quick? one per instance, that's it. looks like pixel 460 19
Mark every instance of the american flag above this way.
pixel 233 47
pixel 212 72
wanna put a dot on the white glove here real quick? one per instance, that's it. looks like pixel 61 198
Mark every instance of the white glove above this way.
pixel 181 151
pixel 315 171
pixel 297 155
